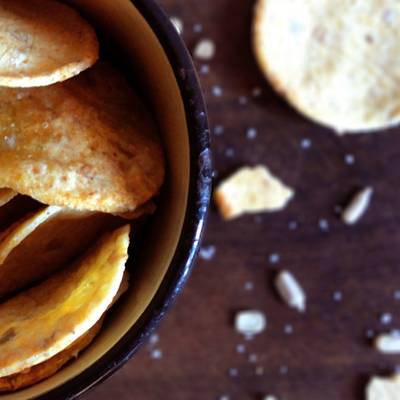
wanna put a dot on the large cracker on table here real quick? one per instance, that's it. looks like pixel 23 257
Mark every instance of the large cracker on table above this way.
pixel 43 321
pixel 337 62
pixel 43 42
pixel 88 143
pixel 45 241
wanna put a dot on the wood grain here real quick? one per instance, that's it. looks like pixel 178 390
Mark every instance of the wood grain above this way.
pixel 328 355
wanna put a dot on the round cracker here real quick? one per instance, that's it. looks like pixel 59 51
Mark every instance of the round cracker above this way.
pixel 45 242
pixel 88 143
pixel 44 370
pixel 45 320
pixel 334 61
pixel 43 42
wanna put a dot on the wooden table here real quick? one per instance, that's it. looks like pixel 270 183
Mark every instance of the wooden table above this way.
pixel 328 356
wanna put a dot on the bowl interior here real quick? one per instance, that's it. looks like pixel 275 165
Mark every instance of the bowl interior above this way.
pixel 120 26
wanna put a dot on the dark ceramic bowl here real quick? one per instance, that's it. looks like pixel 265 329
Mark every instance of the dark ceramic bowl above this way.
pixel 154 55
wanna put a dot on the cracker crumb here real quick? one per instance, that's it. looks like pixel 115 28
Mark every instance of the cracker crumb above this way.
pixel 290 290
pixel 250 322
pixel 251 190
pixel 388 343
pixel 204 50
pixel 383 388
pixel 357 206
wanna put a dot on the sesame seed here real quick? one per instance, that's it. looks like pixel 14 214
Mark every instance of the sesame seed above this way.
pixel 251 133
pixel 349 159
pixel 274 258
pixel 216 91
pixel 305 143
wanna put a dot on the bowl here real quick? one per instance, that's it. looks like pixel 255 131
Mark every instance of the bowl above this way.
pixel 142 40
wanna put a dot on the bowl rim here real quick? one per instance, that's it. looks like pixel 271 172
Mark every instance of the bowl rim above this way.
pixel 199 195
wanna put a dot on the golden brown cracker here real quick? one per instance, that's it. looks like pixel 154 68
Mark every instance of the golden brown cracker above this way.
pixel 43 321
pixel 334 61
pixel 43 42
pixel 45 242
pixel 88 143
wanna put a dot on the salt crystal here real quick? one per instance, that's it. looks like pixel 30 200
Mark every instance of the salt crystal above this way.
pixel 154 339
pixel 251 133
pixel 204 69
pixel 207 252
pixel 396 295
pixel 305 143
pixel 288 329
pixel 293 225
pixel 204 50
pixel 349 159
pixel 386 318
pixel 274 258
pixel 218 130
pixel 229 152
pixel 197 28
pixel 216 91
pixel 337 296
pixel 233 372
pixel 240 348
pixel 323 225
pixel 156 354
pixel 248 286
pixel 253 358
pixel 283 370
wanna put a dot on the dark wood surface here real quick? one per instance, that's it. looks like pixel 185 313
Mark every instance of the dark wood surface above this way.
pixel 328 356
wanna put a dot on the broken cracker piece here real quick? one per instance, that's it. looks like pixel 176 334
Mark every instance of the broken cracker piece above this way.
pixel 250 322
pixel 251 190
pixel 383 388
pixel 388 343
